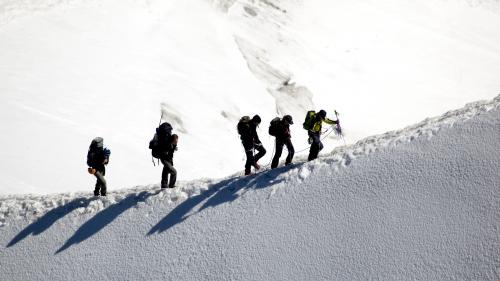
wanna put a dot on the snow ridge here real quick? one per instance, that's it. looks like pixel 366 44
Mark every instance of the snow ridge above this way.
pixel 31 207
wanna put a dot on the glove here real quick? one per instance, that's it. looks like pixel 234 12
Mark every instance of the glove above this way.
pixel 91 171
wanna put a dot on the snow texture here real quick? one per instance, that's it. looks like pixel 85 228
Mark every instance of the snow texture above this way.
pixel 73 70
pixel 421 203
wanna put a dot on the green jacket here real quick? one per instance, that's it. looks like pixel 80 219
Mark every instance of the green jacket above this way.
pixel 317 126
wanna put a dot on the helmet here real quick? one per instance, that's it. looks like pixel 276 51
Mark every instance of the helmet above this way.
pixel 288 119
pixel 322 114
pixel 256 119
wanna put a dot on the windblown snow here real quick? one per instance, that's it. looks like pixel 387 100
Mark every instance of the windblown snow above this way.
pixel 73 70
pixel 421 203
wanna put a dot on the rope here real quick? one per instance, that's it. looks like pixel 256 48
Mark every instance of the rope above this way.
pixel 331 127
pixel 272 156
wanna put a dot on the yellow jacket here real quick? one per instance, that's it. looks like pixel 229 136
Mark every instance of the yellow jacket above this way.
pixel 317 126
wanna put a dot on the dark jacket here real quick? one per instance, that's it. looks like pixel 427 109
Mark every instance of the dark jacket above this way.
pixel 283 131
pixel 249 136
pixel 166 151
pixel 169 154
pixel 96 158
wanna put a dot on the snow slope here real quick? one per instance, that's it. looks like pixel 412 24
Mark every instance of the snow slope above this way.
pixel 72 70
pixel 421 203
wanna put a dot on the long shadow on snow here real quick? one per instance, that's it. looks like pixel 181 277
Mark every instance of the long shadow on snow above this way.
pixel 43 223
pixel 217 194
pixel 103 218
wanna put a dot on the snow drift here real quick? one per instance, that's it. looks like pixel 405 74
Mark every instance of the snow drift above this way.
pixel 421 203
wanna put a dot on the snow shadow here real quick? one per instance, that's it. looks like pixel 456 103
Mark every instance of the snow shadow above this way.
pixel 43 223
pixel 217 194
pixel 103 218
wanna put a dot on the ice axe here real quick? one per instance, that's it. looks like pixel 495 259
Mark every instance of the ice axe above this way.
pixel 338 129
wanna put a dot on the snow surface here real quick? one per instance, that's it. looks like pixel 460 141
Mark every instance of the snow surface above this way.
pixel 73 70
pixel 421 203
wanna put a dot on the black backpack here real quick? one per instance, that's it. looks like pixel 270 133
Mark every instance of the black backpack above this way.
pixel 274 126
pixel 160 139
pixel 244 125
pixel 97 152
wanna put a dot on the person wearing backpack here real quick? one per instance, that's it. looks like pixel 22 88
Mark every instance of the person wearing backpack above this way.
pixel 280 128
pixel 247 128
pixel 97 159
pixel 313 125
pixel 167 159
pixel 163 145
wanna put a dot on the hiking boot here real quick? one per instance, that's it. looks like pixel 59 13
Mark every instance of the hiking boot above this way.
pixel 256 166
pixel 247 172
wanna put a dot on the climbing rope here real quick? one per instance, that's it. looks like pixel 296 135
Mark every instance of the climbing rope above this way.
pixel 329 130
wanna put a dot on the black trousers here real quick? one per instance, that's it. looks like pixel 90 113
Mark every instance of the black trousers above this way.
pixel 100 185
pixel 316 146
pixel 279 149
pixel 168 169
pixel 252 159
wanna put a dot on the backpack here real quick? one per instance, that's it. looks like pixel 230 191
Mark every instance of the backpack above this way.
pixel 97 152
pixel 244 125
pixel 309 121
pixel 274 126
pixel 161 137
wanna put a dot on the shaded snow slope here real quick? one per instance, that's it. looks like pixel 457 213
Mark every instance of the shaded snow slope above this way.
pixel 72 70
pixel 421 203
